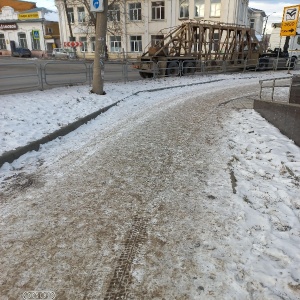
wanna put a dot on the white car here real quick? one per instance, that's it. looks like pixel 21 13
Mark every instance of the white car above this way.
pixel 60 53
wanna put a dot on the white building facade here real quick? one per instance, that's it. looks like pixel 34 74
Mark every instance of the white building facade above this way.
pixel 276 41
pixel 134 25
pixel 29 29
pixel 257 20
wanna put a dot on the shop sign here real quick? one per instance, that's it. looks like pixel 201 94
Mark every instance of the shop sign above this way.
pixel 8 26
pixel 27 16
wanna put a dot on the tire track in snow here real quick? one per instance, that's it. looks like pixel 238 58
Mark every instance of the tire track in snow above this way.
pixel 119 285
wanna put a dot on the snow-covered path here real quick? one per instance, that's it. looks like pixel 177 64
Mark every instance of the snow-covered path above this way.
pixel 167 203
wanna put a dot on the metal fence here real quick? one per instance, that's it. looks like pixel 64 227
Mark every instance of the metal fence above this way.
pixel 15 77
pixel 150 69
pixel 25 76
pixel 276 89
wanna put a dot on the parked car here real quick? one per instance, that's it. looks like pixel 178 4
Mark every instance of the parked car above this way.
pixel 60 53
pixel 21 52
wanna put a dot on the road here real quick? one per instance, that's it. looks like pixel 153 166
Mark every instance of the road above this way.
pixel 23 74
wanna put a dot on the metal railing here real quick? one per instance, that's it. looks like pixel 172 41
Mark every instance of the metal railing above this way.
pixel 78 73
pixel 35 75
pixel 150 69
pixel 28 76
pixel 40 76
pixel 276 89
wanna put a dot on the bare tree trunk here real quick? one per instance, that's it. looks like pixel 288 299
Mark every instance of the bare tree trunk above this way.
pixel 100 49
pixel 68 18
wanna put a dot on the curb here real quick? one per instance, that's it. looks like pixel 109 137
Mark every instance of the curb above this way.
pixel 10 156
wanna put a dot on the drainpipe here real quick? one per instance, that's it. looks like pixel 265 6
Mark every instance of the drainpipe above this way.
pixel 125 28
pixel 236 12
pixel 43 30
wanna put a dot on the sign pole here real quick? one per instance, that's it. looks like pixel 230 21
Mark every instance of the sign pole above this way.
pixel 100 45
pixel 279 48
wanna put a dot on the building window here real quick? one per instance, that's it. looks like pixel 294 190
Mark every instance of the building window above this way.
pixel 199 8
pixel 115 43
pixel 252 23
pixel 2 42
pixel 184 9
pixel 81 14
pixel 22 40
pixel 215 8
pixel 136 43
pixel 155 39
pixel 70 12
pixel 83 48
pixel 49 30
pixel 135 11
pixel 158 10
pixel 35 43
pixel 93 43
pixel 113 13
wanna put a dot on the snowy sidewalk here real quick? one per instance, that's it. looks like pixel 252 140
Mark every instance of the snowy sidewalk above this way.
pixel 201 199
pixel 27 117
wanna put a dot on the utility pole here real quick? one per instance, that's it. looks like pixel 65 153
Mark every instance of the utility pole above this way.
pixel 264 40
pixel 100 48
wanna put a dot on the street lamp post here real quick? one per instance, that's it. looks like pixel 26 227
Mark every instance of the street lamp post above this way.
pixel 263 35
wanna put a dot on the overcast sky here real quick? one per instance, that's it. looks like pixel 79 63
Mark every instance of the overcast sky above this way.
pixel 274 8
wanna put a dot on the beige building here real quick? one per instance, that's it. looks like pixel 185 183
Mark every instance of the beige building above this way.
pixel 134 24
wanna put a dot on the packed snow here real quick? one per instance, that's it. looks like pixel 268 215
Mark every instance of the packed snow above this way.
pixel 30 116
pixel 253 189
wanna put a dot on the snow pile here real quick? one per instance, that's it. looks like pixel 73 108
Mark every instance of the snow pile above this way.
pixel 266 170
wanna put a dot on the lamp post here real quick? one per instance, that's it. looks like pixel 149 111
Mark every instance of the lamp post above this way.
pixel 263 35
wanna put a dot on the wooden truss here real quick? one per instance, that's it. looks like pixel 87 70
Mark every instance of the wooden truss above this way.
pixel 206 40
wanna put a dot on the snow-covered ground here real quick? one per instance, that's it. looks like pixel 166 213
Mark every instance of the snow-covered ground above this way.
pixel 245 247
pixel 30 116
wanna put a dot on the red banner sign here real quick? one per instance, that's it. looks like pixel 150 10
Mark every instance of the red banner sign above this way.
pixel 72 44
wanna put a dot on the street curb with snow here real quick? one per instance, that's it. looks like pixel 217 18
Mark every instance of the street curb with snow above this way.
pixel 10 156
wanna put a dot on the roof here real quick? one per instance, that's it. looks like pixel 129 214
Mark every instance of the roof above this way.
pixel 255 10
pixel 18 5
pixel 36 9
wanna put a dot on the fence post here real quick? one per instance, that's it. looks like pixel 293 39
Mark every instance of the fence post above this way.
pixel 273 87
pixel 245 65
pixel 202 67
pixel 261 86
pixel 125 70
pixel 89 74
pixel 156 71
pixel 224 65
pixel 41 77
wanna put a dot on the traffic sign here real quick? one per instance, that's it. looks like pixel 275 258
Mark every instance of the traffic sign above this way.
pixel 36 34
pixel 97 5
pixel 73 44
pixel 290 20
